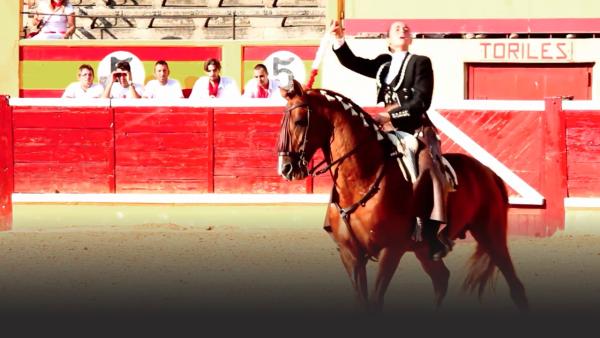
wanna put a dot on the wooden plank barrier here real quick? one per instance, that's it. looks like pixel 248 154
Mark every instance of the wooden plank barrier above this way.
pixel 543 152
pixel 6 164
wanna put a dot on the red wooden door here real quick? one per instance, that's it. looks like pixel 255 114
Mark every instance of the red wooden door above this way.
pixel 529 81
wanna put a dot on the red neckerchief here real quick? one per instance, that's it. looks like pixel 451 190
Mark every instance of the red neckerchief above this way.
pixel 213 89
pixel 263 92
pixel 57 5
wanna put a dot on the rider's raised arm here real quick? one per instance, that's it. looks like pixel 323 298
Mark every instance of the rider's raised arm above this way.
pixel 363 66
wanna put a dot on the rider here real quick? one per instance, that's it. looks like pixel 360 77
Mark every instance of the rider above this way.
pixel 405 86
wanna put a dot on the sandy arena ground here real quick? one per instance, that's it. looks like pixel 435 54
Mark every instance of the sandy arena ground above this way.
pixel 220 269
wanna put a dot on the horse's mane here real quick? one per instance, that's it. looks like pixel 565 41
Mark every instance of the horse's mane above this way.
pixel 348 106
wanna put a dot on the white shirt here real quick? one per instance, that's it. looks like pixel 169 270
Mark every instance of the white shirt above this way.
pixel 397 59
pixel 75 91
pixel 171 90
pixel 251 88
pixel 54 26
pixel 118 92
pixel 227 88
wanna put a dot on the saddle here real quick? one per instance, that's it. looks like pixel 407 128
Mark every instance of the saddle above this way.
pixel 407 145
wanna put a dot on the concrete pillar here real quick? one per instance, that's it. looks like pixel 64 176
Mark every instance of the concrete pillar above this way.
pixel 6 165
pixel 10 26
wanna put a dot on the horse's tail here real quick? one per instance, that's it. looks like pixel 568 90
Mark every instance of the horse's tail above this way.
pixel 481 271
pixel 481 267
pixel 502 188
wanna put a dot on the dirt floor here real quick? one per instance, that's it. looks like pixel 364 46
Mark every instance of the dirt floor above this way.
pixel 221 269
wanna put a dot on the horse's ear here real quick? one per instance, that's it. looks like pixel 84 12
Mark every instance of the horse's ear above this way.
pixel 298 88
pixel 288 87
pixel 286 93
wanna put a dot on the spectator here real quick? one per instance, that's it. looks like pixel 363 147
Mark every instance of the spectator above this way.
pixel 85 87
pixel 214 85
pixel 162 87
pixel 121 86
pixel 261 86
pixel 55 19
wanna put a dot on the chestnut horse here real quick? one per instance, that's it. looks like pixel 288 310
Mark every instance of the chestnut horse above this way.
pixel 373 206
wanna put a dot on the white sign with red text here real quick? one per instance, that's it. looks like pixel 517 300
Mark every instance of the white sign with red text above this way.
pixel 526 50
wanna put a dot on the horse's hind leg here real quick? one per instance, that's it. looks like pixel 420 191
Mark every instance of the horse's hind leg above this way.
pixel 437 271
pixel 501 257
pixel 495 245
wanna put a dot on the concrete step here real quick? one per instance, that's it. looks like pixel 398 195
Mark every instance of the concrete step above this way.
pixel 212 32
pixel 203 12
pixel 199 19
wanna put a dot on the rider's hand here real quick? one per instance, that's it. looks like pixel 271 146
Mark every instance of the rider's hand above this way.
pixel 382 118
pixel 336 30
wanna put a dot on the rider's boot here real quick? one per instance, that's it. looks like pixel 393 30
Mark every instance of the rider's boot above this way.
pixel 438 246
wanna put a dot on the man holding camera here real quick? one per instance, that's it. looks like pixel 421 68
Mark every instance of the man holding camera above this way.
pixel 120 86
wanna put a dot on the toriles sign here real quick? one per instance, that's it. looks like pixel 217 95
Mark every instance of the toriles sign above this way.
pixel 526 51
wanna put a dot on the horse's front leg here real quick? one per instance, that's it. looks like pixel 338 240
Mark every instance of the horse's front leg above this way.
pixel 389 258
pixel 355 265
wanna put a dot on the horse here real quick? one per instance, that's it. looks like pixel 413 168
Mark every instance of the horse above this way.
pixel 373 205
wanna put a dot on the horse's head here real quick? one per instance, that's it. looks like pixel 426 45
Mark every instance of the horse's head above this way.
pixel 302 132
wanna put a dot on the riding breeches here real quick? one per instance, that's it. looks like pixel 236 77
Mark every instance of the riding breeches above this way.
pixel 429 162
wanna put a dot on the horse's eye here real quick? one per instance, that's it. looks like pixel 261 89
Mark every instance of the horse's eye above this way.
pixel 301 123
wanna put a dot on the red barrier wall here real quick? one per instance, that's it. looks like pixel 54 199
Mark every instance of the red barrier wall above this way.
pixel 163 149
pixel 63 149
pixel 583 152
pixel 189 149
pixel 6 164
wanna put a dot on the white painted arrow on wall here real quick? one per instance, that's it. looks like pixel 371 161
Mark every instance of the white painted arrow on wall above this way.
pixel 528 195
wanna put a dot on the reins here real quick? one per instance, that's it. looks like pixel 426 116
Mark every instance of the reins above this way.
pixel 346 212
pixel 313 171
pixel 300 156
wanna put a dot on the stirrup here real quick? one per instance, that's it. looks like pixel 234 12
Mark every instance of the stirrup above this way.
pixel 417 234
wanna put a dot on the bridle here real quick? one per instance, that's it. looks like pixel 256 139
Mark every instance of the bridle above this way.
pixel 299 157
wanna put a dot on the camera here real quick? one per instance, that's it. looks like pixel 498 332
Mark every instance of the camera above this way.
pixel 118 74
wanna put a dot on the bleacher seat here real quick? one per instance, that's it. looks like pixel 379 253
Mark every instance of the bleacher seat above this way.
pixel 199 19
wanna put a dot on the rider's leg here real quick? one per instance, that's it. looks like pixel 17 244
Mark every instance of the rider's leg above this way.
pixel 437 217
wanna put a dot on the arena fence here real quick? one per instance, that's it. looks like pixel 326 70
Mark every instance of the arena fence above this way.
pixel 142 151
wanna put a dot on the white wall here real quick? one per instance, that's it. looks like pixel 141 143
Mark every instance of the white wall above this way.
pixel 449 56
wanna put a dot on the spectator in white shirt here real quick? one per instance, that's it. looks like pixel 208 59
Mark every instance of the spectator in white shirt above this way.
pixel 55 19
pixel 85 87
pixel 120 86
pixel 261 86
pixel 162 87
pixel 214 85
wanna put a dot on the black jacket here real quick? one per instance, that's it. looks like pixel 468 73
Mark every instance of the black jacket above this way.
pixel 412 91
